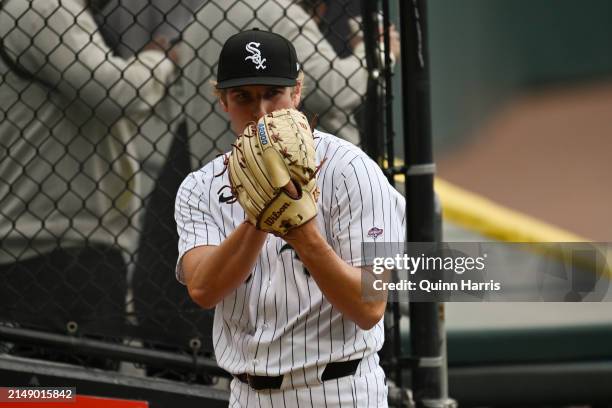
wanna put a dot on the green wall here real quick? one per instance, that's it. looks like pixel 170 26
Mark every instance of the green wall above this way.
pixel 482 52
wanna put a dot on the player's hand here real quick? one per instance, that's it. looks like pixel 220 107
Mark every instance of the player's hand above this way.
pixel 306 234
pixel 292 190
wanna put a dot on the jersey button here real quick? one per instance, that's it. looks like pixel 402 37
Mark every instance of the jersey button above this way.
pixel 255 361
pixel 265 325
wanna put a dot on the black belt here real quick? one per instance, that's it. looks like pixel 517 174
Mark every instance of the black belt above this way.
pixel 331 372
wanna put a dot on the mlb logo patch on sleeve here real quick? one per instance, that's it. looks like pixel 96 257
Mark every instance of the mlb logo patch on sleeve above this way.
pixel 375 232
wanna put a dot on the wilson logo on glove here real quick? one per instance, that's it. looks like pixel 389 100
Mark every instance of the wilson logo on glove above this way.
pixel 276 214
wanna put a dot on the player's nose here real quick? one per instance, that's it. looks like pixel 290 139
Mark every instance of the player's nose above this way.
pixel 260 108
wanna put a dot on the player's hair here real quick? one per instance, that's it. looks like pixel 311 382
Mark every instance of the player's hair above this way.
pixel 222 93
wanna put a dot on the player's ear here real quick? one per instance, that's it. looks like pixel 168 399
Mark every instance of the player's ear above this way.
pixel 296 94
pixel 220 94
pixel 223 102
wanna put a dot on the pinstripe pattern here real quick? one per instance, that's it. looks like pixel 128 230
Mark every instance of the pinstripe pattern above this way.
pixel 278 321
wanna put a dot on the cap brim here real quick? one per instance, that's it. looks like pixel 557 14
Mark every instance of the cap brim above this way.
pixel 231 83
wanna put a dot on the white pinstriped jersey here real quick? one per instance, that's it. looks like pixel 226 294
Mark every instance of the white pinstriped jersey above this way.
pixel 278 321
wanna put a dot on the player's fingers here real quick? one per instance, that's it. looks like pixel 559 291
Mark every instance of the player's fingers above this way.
pixel 292 190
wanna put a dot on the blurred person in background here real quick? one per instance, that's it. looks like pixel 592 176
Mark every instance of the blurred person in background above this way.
pixel 67 177
pixel 335 87
pixel 335 18
pixel 129 26
pixel 165 316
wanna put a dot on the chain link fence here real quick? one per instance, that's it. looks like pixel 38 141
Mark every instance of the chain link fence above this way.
pixel 105 106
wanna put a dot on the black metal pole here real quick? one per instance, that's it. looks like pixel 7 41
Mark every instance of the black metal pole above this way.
pixel 428 383
pixel 372 137
pixel 388 80
pixel 393 343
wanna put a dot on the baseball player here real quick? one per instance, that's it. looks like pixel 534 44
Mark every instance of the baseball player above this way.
pixel 291 324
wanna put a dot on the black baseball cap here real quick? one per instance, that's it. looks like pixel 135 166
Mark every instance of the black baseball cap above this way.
pixel 257 57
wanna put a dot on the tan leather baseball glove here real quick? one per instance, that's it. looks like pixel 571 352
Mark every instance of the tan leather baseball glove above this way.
pixel 266 158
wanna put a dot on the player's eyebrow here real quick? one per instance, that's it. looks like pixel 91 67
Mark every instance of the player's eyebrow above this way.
pixel 236 90
pixel 267 89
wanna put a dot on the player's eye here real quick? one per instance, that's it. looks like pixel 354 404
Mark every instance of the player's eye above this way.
pixel 273 93
pixel 241 97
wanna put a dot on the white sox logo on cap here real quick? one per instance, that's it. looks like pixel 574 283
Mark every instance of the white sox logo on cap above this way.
pixel 253 49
